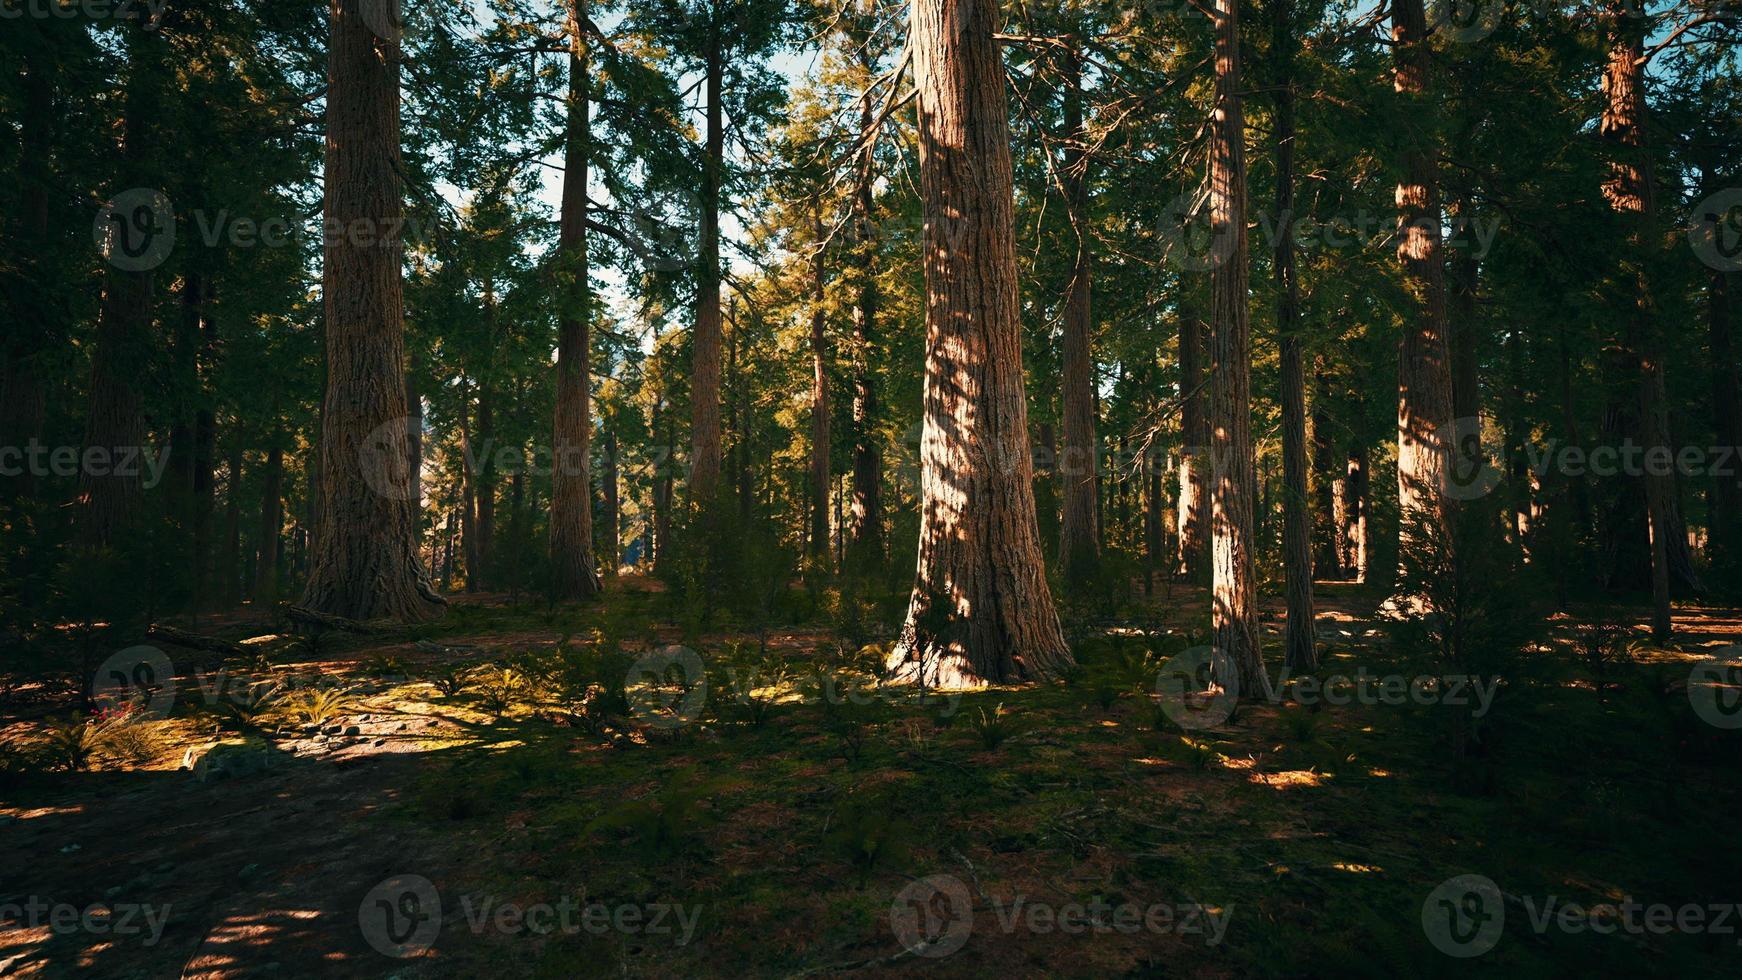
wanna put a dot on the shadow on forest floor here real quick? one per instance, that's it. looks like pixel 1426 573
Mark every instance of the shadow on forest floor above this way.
pixel 1068 829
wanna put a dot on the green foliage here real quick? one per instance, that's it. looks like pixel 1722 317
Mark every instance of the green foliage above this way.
pixel 319 705
pixel 668 826
pixel 870 832
pixel 995 727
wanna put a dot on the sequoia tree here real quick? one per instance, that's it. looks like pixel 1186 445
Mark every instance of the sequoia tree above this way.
pixel 573 575
pixel 981 610
pixel 364 564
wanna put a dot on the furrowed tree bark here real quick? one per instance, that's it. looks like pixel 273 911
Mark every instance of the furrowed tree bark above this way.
pixel 1079 529
pixel 981 610
pixel 365 555
pixel 1355 487
pixel 573 575
pixel 1630 194
pixel 1424 378
pixel 705 350
pixel 109 499
pixel 1194 468
pixel 1297 547
pixel 1233 586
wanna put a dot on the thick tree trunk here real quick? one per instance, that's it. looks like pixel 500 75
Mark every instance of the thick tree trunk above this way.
pixel 1630 193
pixel 1079 530
pixel 865 548
pixel 267 546
pixel 22 399
pixel 1424 371
pixel 705 352
pixel 981 610
pixel 1464 340
pixel 1194 466
pixel 414 442
pixel 1233 586
pixel 573 575
pixel 365 562
pixel 1297 547
pixel 820 482
pixel 110 497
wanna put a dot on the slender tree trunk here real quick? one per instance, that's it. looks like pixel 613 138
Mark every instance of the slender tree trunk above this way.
pixel 1233 587
pixel 1630 193
pixel 1726 521
pixel 1327 526
pixel 1358 514
pixel 981 610
pixel 1297 547
pixel 230 594
pixel 1424 375
pixel 271 526
pixel 866 545
pixel 468 492
pixel 1464 340
pixel 820 482
pixel 573 575
pixel 365 561
pixel 610 554
pixel 705 374
pixel 1079 529
pixel 1194 468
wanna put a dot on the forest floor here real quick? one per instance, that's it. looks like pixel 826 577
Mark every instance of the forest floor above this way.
pixel 511 827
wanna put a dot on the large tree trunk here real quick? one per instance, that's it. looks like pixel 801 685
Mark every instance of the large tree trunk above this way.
pixel 705 352
pixel 1630 193
pixel 981 610
pixel 820 482
pixel 110 497
pixel 271 526
pixel 365 559
pixel 22 399
pixel 1194 468
pixel 1079 531
pixel 573 575
pixel 1464 340
pixel 414 441
pixel 1424 371
pixel 865 548
pixel 1297 547
pixel 1233 587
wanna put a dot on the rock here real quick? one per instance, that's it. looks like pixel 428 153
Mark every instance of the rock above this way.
pixel 228 760
pixel 248 871
pixel 69 849
pixel 351 731
pixel 379 741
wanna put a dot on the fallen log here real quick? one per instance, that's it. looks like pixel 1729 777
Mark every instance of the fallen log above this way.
pixel 303 614
pixel 193 641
